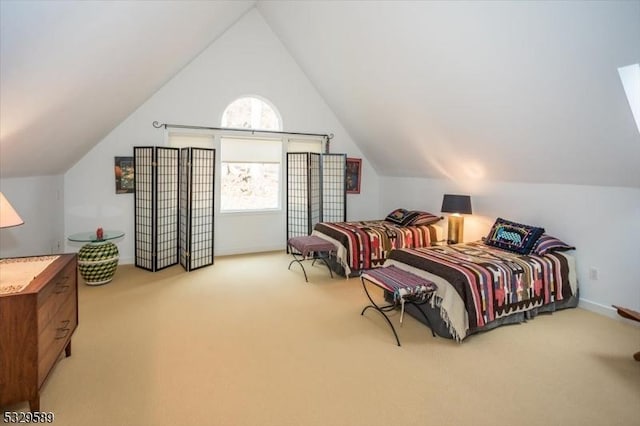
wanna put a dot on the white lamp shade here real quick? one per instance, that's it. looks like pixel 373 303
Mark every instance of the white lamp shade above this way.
pixel 8 215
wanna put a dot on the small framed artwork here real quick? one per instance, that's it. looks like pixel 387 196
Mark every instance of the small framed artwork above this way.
pixel 124 175
pixel 354 175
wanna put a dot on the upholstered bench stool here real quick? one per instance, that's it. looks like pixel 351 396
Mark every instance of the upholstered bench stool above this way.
pixel 405 288
pixel 301 247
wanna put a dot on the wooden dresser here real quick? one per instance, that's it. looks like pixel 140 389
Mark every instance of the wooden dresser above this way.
pixel 36 325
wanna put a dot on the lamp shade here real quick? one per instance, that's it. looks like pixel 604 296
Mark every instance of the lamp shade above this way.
pixel 456 204
pixel 8 215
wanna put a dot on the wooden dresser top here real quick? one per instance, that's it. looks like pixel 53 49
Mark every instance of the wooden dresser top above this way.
pixel 29 274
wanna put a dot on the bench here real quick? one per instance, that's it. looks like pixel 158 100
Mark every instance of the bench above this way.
pixel 301 247
pixel 404 286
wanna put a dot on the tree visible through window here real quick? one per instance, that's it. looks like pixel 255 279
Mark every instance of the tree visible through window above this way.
pixel 250 168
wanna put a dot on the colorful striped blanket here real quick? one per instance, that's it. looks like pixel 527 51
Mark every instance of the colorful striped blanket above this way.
pixel 366 244
pixel 400 283
pixel 490 283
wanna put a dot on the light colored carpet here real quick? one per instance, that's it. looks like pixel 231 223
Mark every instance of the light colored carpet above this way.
pixel 248 342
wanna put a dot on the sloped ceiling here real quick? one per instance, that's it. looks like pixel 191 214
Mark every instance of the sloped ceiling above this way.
pixel 511 91
pixel 508 91
pixel 70 71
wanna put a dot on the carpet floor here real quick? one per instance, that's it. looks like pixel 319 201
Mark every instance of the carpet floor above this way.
pixel 248 342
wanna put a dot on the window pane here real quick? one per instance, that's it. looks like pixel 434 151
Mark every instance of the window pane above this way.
pixel 249 186
pixel 251 113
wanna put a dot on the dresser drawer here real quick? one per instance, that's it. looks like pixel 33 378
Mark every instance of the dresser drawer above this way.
pixel 55 294
pixel 55 336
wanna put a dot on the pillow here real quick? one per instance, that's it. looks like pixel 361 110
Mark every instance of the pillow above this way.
pixel 417 217
pixel 397 216
pixel 513 236
pixel 547 243
pixel 404 217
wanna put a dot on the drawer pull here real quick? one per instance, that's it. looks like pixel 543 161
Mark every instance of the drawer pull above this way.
pixel 60 288
pixel 64 329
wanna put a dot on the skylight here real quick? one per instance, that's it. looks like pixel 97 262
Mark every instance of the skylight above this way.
pixel 630 76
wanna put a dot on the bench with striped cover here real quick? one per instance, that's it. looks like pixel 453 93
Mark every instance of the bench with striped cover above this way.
pixel 405 287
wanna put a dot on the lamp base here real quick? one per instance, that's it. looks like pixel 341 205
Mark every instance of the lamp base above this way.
pixel 455 228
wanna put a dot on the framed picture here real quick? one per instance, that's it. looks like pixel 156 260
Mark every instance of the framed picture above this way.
pixel 124 175
pixel 354 175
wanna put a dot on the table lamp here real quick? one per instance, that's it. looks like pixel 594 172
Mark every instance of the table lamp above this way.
pixel 458 205
pixel 8 216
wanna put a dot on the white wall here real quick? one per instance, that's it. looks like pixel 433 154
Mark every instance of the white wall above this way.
pixel 39 202
pixel 603 223
pixel 247 60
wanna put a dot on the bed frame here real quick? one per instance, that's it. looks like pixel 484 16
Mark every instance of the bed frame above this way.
pixel 442 329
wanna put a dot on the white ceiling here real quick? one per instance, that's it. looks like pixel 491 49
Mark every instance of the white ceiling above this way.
pixel 509 91
pixel 71 71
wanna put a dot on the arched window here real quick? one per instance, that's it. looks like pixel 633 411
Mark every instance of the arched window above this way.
pixel 251 113
pixel 250 166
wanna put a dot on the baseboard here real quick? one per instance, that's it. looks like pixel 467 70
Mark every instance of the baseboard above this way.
pixel 226 252
pixel 249 250
pixel 608 311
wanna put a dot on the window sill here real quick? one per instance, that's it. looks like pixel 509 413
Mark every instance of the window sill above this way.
pixel 251 212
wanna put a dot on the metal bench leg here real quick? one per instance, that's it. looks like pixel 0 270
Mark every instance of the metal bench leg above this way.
pixel 379 309
pixel 298 261
pixel 324 260
pixel 301 265
pixel 417 305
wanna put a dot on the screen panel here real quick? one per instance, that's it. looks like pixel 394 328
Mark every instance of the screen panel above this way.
pixel 315 191
pixel 297 194
pixel 144 201
pixel 334 194
pixel 185 207
pixel 167 207
pixel 202 191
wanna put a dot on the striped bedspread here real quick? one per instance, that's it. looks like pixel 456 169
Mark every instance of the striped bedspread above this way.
pixel 366 244
pixel 489 283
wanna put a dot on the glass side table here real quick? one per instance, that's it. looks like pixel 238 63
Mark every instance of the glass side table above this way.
pixel 97 259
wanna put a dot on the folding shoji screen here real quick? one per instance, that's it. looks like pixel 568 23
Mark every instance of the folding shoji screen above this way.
pixel 156 207
pixel 173 207
pixel 197 174
pixel 316 191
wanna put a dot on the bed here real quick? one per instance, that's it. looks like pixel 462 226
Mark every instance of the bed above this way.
pixel 366 244
pixel 481 286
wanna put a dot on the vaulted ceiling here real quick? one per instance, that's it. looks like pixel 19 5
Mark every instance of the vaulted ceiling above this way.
pixel 71 71
pixel 508 91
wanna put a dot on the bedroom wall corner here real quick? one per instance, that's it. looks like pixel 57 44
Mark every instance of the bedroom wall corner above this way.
pixel 39 200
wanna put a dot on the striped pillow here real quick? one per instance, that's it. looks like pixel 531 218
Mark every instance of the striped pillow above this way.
pixel 547 243
pixel 417 217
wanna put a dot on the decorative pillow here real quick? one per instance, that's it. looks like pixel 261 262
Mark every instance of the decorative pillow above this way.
pixel 417 217
pixel 513 236
pixel 547 243
pixel 397 216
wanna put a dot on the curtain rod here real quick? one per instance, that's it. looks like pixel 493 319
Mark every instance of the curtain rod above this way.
pixel 158 125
